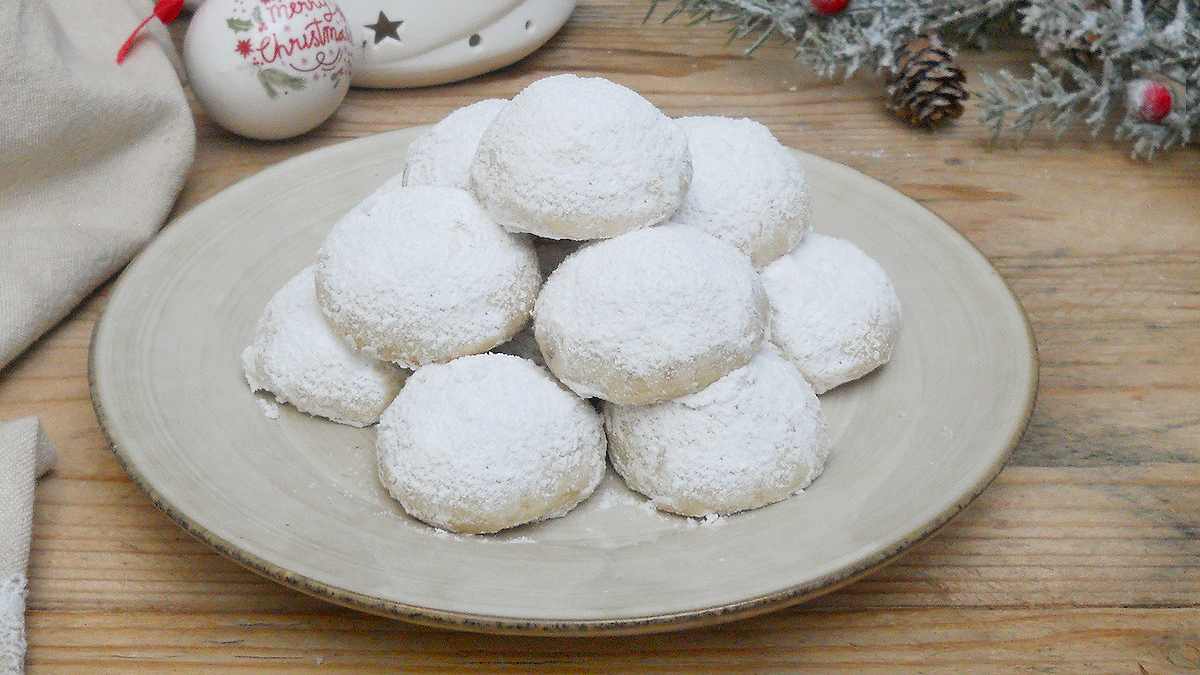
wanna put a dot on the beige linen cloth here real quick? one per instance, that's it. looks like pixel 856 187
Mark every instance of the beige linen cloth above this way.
pixel 25 454
pixel 92 156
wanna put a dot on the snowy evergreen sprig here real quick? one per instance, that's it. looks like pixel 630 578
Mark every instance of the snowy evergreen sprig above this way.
pixel 865 36
pixel 1095 54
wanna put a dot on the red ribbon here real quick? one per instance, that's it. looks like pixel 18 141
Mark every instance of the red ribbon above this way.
pixel 165 10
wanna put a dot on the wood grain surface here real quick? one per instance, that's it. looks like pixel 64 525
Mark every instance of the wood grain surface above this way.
pixel 1083 556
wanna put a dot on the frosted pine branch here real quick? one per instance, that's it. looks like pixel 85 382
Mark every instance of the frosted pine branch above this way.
pixel 863 37
pixel 1093 52
pixel 1054 98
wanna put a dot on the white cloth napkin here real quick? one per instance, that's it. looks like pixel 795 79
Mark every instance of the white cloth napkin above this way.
pixel 25 454
pixel 92 155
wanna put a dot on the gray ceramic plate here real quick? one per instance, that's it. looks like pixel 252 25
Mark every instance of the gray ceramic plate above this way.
pixel 296 499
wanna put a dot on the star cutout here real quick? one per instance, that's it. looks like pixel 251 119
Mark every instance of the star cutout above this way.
pixel 384 28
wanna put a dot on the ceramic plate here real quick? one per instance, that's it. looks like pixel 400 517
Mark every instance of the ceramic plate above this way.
pixel 297 500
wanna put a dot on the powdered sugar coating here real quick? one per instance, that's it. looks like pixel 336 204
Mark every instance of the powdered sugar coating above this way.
pixel 296 356
pixel 489 442
pixel 747 189
pixel 580 158
pixel 550 253
pixel 834 312
pixel 443 154
pixel 422 275
pixel 752 438
pixel 650 315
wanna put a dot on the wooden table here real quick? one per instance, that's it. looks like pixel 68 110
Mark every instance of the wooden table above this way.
pixel 1084 554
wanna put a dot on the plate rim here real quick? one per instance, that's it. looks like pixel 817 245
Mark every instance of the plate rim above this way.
pixel 485 623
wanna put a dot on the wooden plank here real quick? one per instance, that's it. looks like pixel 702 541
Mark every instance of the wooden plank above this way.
pixel 924 640
pixel 1111 536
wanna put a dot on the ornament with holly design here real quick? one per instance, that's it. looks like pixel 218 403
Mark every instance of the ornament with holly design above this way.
pixel 269 69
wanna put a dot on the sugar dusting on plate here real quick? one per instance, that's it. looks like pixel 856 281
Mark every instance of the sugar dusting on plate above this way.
pixel 269 408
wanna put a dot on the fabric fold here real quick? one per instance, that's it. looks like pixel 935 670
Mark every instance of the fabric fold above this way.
pixel 25 454
pixel 92 155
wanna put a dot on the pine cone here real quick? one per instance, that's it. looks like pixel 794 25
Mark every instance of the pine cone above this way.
pixel 925 86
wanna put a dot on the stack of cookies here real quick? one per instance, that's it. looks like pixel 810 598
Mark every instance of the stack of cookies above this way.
pixel 576 243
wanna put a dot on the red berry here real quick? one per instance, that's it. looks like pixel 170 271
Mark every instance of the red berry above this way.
pixel 1155 102
pixel 829 7
pixel 168 10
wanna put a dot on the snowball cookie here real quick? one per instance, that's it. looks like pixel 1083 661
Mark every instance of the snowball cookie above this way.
pixel 580 158
pixel 296 356
pixel 442 155
pixel 422 275
pixel 747 189
pixel 753 437
pixel 488 442
pixel 834 312
pixel 650 315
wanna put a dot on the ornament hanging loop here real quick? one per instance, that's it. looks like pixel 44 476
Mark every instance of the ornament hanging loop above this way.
pixel 165 11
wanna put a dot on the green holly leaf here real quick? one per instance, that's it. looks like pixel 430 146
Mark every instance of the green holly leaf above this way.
pixel 273 79
pixel 257 14
pixel 238 25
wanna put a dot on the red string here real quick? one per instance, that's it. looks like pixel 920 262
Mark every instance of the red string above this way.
pixel 166 11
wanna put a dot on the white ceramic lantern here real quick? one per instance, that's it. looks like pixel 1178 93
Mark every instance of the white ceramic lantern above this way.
pixel 414 43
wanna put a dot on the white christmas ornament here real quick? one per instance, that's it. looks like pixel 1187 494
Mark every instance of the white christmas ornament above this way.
pixel 416 43
pixel 269 69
